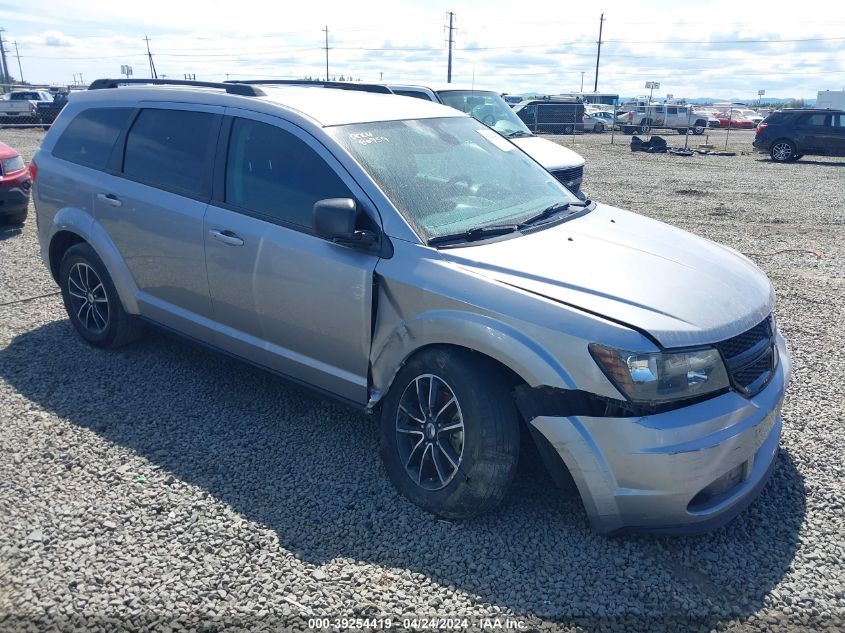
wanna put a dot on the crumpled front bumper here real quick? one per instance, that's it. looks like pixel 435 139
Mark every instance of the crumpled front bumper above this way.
pixel 684 471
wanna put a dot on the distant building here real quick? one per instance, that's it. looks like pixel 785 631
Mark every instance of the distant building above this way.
pixel 833 99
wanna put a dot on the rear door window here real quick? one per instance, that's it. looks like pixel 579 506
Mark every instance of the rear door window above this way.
pixel 172 150
pixel 88 139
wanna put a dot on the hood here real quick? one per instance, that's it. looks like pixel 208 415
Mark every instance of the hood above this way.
pixel 7 152
pixel 681 289
pixel 549 155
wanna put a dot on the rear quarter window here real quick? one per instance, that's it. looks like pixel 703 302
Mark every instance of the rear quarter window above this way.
pixel 89 138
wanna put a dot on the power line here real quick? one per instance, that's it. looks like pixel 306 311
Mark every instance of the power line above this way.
pixel 779 41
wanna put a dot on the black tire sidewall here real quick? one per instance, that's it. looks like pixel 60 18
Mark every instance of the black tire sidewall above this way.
pixel 83 253
pixel 476 398
pixel 791 156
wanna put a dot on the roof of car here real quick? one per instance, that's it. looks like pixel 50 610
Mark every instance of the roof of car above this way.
pixel 324 106
pixel 339 107
pixel 821 110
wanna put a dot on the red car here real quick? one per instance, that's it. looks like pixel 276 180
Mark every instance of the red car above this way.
pixel 15 185
pixel 735 121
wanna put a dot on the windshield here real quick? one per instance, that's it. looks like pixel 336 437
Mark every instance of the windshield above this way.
pixel 488 107
pixel 451 175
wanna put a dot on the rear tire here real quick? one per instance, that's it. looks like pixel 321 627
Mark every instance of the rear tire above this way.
pixel 782 151
pixel 568 129
pixel 92 302
pixel 450 433
pixel 14 219
pixel 598 128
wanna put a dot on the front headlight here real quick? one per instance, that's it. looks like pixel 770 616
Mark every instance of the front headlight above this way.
pixel 12 164
pixel 662 376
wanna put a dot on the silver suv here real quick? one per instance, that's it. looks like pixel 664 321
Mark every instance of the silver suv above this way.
pixel 402 257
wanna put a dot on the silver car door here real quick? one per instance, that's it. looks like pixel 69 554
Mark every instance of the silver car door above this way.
pixel 281 295
pixel 152 206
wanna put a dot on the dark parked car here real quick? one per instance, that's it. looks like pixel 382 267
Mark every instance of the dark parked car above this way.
pixel 790 134
pixel 552 115
pixel 49 110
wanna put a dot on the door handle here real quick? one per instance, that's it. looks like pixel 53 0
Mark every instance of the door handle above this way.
pixel 227 237
pixel 110 199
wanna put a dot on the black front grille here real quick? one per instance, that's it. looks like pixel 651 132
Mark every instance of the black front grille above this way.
pixel 750 357
pixel 569 176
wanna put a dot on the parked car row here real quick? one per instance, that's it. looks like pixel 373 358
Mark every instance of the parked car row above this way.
pixel 31 107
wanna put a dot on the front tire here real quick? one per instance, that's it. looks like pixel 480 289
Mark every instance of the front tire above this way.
pixel 782 151
pixel 698 130
pixel 14 219
pixel 450 433
pixel 645 127
pixel 92 302
pixel 598 128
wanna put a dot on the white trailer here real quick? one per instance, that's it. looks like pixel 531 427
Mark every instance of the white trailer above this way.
pixel 834 99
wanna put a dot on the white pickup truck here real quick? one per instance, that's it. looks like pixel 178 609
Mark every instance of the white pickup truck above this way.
pixel 22 103
pixel 642 118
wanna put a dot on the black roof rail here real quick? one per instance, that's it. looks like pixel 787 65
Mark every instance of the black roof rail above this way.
pixel 235 88
pixel 342 85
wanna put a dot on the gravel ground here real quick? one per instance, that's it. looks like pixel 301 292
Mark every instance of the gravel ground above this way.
pixel 161 487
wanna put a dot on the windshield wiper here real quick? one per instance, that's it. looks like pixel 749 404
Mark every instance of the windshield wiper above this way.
pixel 554 209
pixel 471 235
pixel 517 134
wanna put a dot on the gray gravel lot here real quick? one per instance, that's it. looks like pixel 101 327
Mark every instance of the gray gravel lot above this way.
pixel 161 487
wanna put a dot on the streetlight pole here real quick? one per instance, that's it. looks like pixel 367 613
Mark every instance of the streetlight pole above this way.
pixel 582 81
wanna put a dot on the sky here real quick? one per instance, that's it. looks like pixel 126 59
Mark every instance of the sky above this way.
pixel 720 49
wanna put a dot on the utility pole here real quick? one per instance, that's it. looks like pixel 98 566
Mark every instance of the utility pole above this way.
pixel 3 58
pixel 153 73
pixel 326 31
pixel 451 41
pixel 598 54
pixel 582 81
pixel 18 55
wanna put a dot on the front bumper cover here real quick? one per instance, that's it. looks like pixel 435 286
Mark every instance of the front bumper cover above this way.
pixel 654 473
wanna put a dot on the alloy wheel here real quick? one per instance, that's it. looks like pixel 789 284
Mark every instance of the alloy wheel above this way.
pixel 782 151
pixel 430 432
pixel 88 298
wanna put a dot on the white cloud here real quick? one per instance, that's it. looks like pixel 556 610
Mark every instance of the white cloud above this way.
pixel 547 49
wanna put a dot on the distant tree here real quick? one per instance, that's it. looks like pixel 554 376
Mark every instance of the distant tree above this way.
pixel 795 103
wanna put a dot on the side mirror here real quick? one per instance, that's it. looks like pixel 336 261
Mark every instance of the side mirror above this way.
pixel 336 219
